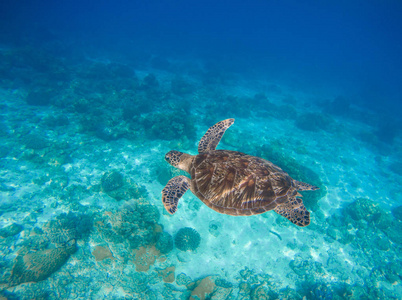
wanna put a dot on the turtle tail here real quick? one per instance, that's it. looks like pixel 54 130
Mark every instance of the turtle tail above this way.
pixel 302 186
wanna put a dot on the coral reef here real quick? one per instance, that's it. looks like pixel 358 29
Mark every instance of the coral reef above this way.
pixel 396 168
pixel 388 130
pixel 35 142
pixel 81 105
pixel 40 97
pixel 67 227
pixel 362 209
pixel 254 285
pixel 56 120
pixel 170 125
pixel 118 187
pixel 393 232
pixel 313 122
pixel 181 87
pixel 234 106
pixel 107 71
pixel 262 291
pixel 161 63
pixel 167 274
pixel 283 112
pixel 149 213
pixel 303 267
pixel 183 279
pixel 135 223
pixel 139 284
pixel 149 82
pixel 111 180
pixel 214 228
pixel 136 104
pixel 39 265
pixel 164 243
pixel 145 257
pixel 102 252
pixel 4 151
pixel 108 133
pixel 56 110
pixel 10 230
pixel 209 288
pixel 45 251
pixel 318 290
pixel 368 219
pixel 397 212
pixel 187 239
pixel 339 106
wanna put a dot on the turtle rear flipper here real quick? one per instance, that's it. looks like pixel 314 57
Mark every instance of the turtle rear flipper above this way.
pixel 294 211
pixel 172 192
pixel 213 136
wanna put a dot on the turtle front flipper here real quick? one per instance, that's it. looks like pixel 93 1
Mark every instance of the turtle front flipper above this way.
pixel 172 192
pixel 294 211
pixel 213 136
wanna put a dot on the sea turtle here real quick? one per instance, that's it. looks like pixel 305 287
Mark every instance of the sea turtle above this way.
pixel 234 183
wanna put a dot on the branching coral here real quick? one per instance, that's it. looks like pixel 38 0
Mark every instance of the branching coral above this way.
pixel 135 222
pixel 67 227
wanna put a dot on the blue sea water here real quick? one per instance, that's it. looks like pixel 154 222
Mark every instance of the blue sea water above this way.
pixel 93 94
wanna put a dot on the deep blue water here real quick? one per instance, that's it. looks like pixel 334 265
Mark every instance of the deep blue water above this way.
pixel 93 94
pixel 351 46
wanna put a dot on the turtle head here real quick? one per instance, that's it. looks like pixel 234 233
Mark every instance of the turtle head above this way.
pixel 179 160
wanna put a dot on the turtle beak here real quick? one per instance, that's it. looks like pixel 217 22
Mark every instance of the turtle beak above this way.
pixel 171 156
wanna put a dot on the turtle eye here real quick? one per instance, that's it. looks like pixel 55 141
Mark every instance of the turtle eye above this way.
pixel 173 157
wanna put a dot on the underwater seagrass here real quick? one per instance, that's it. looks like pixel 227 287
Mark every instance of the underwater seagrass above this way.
pixel 234 183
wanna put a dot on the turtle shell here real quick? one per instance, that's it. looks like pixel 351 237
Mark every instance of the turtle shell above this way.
pixel 234 183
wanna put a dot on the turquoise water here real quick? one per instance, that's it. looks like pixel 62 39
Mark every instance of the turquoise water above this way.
pixel 85 126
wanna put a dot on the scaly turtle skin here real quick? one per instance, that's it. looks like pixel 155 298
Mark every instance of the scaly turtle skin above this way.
pixel 234 183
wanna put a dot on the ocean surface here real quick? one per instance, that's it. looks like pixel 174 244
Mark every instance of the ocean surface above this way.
pixel 93 94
